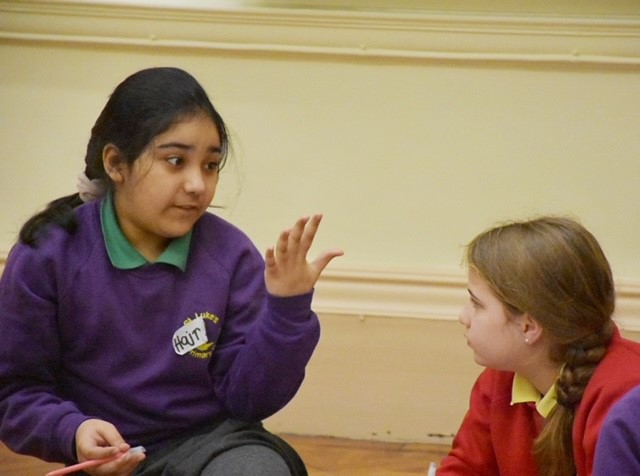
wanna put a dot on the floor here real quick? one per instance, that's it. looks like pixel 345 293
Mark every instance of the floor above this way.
pixel 322 455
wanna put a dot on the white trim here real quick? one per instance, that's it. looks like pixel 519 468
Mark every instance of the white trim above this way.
pixel 413 37
pixel 627 313
pixel 390 293
pixel 425 295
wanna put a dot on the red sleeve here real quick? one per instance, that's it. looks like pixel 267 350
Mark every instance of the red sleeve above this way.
pixel 472 450
pixel 616 374
pixel 495 437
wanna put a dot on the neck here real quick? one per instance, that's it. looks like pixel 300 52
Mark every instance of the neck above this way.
pixel 542 373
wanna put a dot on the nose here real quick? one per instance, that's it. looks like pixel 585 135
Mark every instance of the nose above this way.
pixel 194 181
pixel 463 317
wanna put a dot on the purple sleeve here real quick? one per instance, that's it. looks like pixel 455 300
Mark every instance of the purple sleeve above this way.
pixel 34 419
pixel 264 347
pixel 618 446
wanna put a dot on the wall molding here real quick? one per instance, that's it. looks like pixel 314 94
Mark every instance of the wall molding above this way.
pixel 435 295
pixel 411 294
pixel 478 37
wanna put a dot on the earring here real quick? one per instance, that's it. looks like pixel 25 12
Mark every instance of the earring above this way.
pixel 526 340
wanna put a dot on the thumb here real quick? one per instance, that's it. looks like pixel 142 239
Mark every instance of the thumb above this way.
pixel 325 258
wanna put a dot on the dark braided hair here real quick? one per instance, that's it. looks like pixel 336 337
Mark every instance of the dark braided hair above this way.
pixel 144 105
pixel 554 269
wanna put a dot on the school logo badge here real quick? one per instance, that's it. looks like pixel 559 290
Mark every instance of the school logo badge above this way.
pixel 192 337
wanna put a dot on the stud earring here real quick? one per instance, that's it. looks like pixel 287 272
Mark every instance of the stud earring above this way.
pixel 526 340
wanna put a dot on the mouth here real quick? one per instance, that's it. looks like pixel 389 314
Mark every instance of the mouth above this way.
pixel 188 208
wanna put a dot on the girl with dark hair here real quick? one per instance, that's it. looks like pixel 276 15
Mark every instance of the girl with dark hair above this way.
pixel 132 317
pixel 539 317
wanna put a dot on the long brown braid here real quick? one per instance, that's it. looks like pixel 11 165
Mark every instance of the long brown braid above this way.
pixel 553 269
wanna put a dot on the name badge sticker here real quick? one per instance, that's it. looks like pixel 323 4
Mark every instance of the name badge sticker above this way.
pixel 190 336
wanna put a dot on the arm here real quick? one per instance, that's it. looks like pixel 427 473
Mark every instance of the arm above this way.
pixel 34 418
pixel 268 340
pixel 472 451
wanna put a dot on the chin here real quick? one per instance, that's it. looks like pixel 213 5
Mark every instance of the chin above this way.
pixel 480 361
pixel 176 232
pixel 181 228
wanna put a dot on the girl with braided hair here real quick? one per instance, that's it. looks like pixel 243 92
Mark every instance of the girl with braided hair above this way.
pixel 539 318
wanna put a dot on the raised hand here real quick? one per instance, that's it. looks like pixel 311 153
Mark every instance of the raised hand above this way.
pixel 288 273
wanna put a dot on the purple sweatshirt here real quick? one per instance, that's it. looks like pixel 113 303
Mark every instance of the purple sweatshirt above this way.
pixel 80 338
pixel 618 448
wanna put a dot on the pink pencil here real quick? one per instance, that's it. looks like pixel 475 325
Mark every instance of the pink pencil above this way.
pixel 93 462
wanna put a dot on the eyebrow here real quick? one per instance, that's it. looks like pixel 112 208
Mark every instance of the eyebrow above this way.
pixel 179 145
pixel 473 296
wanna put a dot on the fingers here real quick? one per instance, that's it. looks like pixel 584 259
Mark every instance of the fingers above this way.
pixel 325 258
pixel 96 439
pixel 125 464
pixel 288 271
pixel 299 238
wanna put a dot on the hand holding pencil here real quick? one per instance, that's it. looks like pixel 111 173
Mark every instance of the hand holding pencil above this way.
pixel 94 462
pixel 102 451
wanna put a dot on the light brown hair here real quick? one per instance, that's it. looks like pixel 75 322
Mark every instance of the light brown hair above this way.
pixel 555 270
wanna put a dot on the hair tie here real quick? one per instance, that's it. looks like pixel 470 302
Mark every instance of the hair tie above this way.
pixel 90 189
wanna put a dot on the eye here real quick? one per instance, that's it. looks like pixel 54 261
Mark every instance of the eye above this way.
pixel 175 160
pixel 212 166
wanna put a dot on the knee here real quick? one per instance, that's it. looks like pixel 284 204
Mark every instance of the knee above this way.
pixel 248 460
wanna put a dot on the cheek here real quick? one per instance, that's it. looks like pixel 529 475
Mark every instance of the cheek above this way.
pixel 211 187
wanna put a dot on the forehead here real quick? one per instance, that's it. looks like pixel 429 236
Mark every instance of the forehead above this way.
pixel 198 128
pixel 478 286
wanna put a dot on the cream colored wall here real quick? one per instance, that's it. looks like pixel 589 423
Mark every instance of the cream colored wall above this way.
pixel 390 379
pixel 408 150
pixel 383 378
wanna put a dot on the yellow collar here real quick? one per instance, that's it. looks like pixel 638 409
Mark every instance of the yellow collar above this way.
pixel 523 391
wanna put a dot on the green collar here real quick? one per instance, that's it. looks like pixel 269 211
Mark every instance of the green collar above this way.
pixel 122 253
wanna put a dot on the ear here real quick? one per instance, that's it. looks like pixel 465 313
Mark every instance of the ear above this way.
pixel 531 329
pixel 112 163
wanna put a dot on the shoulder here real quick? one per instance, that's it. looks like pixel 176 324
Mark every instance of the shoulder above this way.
pixel 622 346
pixel 217 239
pixel 626 409
pixel 84 239
pixel 216 230
pixel 624 414
pixel 58 252
pixel 495 378
pixel 55 242
pixel 616 374
pixel 493 386
pixel 620 351
pixel 618 445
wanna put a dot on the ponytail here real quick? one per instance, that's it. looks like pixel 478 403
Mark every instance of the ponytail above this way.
pixel 58 212
pixel 554 446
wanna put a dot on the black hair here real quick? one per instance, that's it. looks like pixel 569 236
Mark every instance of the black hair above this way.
pixel 144 105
